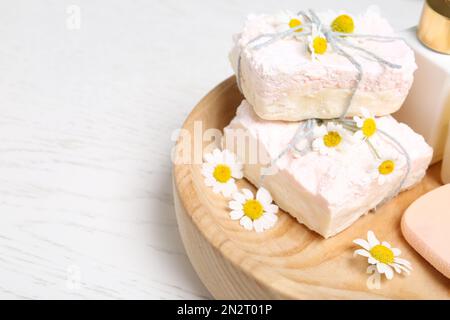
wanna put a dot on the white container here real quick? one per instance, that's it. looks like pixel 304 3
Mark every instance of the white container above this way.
pixel 427 108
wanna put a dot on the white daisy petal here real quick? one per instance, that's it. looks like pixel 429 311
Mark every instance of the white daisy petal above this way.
pixel 228 157
pixel 271 217
pixel 372 260
pixel 236 214
pixel 404 269
pixel 209 158
pixel 359 121
pixel 363 243
pixel 389 272
pixel 209 182
pixel 235 205
pixel 258 225
pixel 396 251
pixel 267 224
pixel 239 197
pixel 217 156
pixel 207 169
pixel 247 194
pixel 271 208
pixel 386 244
pixel 396 268
pixel 236 171
pixel 229 188
pixel 381 267
pixel 402 262
pixel 246 222
pixel 361 252
pixel 373 241
pixel 217 188
pixel 263 196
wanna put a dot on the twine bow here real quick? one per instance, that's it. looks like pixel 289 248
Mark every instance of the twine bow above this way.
pixel 339 43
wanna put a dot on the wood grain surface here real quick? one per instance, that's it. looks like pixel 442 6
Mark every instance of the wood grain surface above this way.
pixel 288 261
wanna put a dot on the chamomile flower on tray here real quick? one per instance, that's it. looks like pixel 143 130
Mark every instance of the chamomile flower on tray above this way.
pixel 258 213
pixel 220 170
pixel 382 255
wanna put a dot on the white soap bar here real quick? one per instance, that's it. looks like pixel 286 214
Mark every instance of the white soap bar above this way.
pixel 427 107
pixel 282 82
pixel 327 193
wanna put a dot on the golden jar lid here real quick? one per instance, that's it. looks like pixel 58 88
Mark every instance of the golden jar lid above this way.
pixel 434 26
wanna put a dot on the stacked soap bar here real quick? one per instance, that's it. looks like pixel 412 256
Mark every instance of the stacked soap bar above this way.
pixel 282 82
pixel 334 80
pixel 327 193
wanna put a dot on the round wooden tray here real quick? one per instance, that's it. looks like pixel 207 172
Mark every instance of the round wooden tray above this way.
pixel 288 261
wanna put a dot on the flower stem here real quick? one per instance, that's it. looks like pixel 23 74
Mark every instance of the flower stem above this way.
pixel 372 148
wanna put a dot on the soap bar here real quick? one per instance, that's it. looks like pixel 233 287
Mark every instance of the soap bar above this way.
pixel 426 226
pixel 282 81
pixel 327 193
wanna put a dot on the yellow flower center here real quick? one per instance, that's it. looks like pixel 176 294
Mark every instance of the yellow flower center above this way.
pixel 386 167
pixel 369 127
pixel 319 45
pixel 332 139
pixel 343 23
pixel 295 23
pixel 382 254
pixel 222 173
pixel 253 209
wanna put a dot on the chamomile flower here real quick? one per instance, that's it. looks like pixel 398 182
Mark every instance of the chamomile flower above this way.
pixel 382 255
pixel 317 42
pixel 220 169
pixel 254 213
pixel 329 138
pixel 385 169
pixel 367 125
pixel 286 20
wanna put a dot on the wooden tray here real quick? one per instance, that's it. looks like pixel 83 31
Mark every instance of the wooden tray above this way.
pixel 288 261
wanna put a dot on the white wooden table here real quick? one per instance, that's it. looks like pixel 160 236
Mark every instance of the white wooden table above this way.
pixel 90 95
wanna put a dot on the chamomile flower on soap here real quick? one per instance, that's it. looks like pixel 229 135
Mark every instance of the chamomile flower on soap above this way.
pixel 317 42
pixel 329 138
pixel 367 125
pixel 258 213
pixel 385 169
pixel 220 169
pixel 382 255
pixel 286 20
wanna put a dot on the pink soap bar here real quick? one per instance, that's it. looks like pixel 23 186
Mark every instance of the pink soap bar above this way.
pixel 426 226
